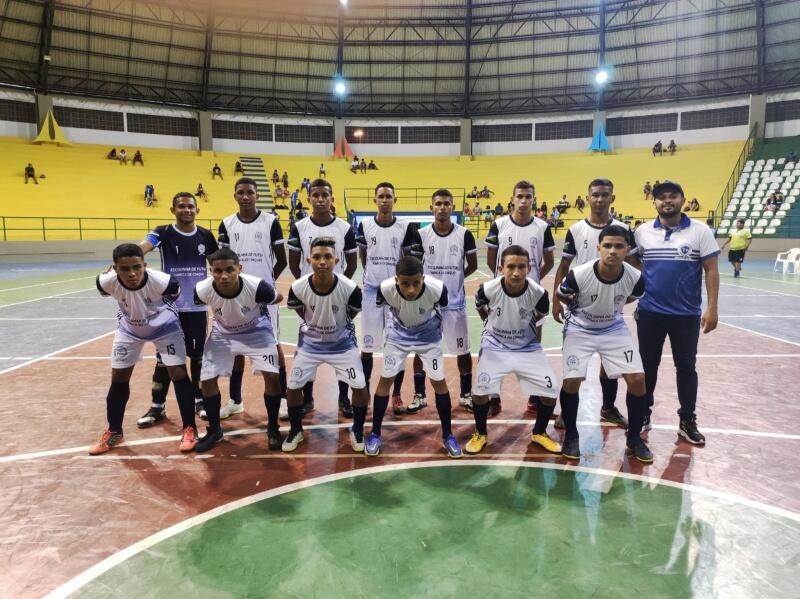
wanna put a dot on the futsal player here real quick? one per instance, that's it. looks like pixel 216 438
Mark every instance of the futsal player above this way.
pixel 511 305
pixel 241 327
pixel 257 239
pixel 415 302
pixel 449 255
pixel 382 240
pixel 740 240
pixel 326 302
pixel 594 294
pixel 521 228
pixel 322 223
pixel 184 247
pixel 580 247
pixel 146 314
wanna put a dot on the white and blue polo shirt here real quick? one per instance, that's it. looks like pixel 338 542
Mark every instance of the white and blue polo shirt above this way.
pixel 672 265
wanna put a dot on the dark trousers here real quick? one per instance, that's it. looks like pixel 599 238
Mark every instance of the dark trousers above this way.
pixel 683 333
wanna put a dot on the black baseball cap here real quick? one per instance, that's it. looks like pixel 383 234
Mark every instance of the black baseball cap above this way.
pixel 667 186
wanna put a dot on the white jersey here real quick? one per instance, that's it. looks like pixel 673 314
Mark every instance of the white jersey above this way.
pixel 385 245
pixel 244 312
pixel 597 305
pixel 254 242
pixel 582 239
pixel 443 258
pixel 326 319
pixel 305 230
pixel 414 322
pixel 147 312
pixel 535 237
pixel 511 325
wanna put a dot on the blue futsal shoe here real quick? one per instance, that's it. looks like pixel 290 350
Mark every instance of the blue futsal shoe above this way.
pixel 372 446
pixel 451 446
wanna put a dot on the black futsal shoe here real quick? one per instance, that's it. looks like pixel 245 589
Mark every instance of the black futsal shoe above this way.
pixel 209 440
pixel 688 430
pixel 274 439
pixel 152 416
pixel 571 449
pixel 345 407
pixel 640 451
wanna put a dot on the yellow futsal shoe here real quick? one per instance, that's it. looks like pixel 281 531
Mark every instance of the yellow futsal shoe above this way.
pixel 476 443
pixel 544 440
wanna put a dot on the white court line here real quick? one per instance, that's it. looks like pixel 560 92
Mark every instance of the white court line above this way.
pixel 43 284
pixel 748 276
pixel 53 353
pixel 114 560
pixel 38 299
pixel 482 273
pixel 23 457
pixel 733 326
pixel 794 295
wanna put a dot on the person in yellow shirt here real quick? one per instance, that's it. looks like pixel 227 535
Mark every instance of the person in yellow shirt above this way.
pixel 740 240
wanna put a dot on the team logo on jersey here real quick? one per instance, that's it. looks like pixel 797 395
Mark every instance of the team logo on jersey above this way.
pixel 368 339
pixel 422 310
pixel 454 250
pixel 390 361
pixel 394 243
pixel 297 373
pixel 335 309
pixel 245 309
pixel 218 311
pixel 685 250
pixel 524 314
pixel 259 235
pixel 534 242
pixel 484 378
pixel 572 361
pixel 201 249
pixel 120 352
pixel 618 299
pixel 147 301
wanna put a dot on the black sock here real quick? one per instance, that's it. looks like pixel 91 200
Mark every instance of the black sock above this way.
pixel 379 405
pixel 185 394
pixel 212 403
pixel 419 383
pixel 609 387
pixel 343 390
pixel 398 382
pixel 443 408
pixel 195 366
pixel 117 398
pixel 160 385
pixel 542 417
pixel 569 412
pixel 481 413
pixel 296 418
pixel 359 417
pixel 273 404
pixel 282 380
pixel 366 364
pixel 308 392
pixel 465 380
pixel 236 385
pixel 637 410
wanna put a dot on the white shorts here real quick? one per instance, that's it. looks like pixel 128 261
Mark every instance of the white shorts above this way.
pixel 532 369
pixel 127 350
pixel 455 331
pixel 275 320
pixel 373 321
pixel 394 360
pixel 346 364
pixel 221 350
pixel 618 354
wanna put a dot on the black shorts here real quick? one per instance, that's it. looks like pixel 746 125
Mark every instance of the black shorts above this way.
pixel 736 256
pixel 194 325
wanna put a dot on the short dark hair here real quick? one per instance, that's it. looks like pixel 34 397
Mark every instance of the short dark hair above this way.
pixel 224 254
pixel 245 181
pixel 601 183
pixel 325 242
pixel 524 184
pixel 615 231
pixel 514 250
pixel 443 193
pixel 319 182
pixel 183 194
pixel 408 266
pixel 385 184
pixel 127 250
pixel 740 220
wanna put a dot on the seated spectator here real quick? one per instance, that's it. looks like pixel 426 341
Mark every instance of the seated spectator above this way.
pixel 363 167
pixel 123 156
pixel 30 173
pixel 467 209
pixel 149 195
pixel 486 192
pixel 307 185
pixel 474 193
pixel 769 199
pixel 216 171
pixel 554 219
pixel 779 196
pixel 321 173
pixel 498 209
pixel 295 198
pixel 672 148
pixel 476 209
pixel 488 214
pixel 276 178
pixel 372 166
pixel 285 179
pixel 354 166
pixel 237 168
pixel 563 204
pixel 612 212
pixel 539 213
pixel 694 205
pixel 137 157
pixel 791 157
pixel 510 207
pixel 658 148
pixel 637 224
pixel 201 193
pixel 580 204
pixel 648 190
pixel 112 155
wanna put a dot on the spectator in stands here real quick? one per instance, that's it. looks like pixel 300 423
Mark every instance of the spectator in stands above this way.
pixel 694 205
pixel 295 198
pixel 274 213
pixel 544 209
pixel 488 214
pixel 709 222
pixel 655 185
pixel 510 206
pixel 612 212
pixel 30 173
pixel 791 157
pixel 276 178
pixel 279 192
pixel 476 209
pixel 467 209
pixel 216 171
pixel 307 186
pixel 563 204
pixel 779 196
pixel 123 156
pixel 474 193
pixel 291 220
pixel 658 148
pixel 372 166
pixel 201 193
pixel 639 222
pixel 486 192
pixel 554 219
pixel 648 190
pixel 363 167
pixel 112 155
pixel 672 148
pixel 237 168
pixel 498 209
pixel 285 179
pixel 354 165
pixel 539 213
pixel 580 204
pixel 149 195
pixel 322 173
pixel 137 157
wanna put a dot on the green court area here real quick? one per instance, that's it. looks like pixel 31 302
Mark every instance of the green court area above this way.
pixel 471 530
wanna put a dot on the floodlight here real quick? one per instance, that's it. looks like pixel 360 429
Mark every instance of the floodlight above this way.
pixel 601 77
pixel 340 88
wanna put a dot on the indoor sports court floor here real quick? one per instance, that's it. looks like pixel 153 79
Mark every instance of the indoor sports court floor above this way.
pixel 143 520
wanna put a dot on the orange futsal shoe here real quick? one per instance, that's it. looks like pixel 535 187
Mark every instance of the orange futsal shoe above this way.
pixel 189 439
pixel 107 441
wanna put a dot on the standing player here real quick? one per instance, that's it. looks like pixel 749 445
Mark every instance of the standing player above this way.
pixel 382 241
pixel 675 252
pixel 326 302
pixel 184 247
pixel 257 239
pixel 322 223
pixel 511 305
pixel 740 241
pixel 446 247
pixel 415 326
pixel 146 314
pixel 521 228
pixel 581 246
pixel 241 327
pixel 595 294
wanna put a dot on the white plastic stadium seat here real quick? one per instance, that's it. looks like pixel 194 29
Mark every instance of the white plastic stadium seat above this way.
pixel 787 261
pixel 722 231
pixel 791 200
pixel 728 214
pixel 770 231
pixel 786 206
pixel 762 222
pixel 775 222
pixel 725 223
pixel 758 231
pixel 780 213
pixel 781 160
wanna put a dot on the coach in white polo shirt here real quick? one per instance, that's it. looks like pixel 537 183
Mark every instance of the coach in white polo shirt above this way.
pixel 675 250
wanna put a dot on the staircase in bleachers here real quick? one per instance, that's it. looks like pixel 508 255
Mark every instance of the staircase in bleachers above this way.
pixel 254 168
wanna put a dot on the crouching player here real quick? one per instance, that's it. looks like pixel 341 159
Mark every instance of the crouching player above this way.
pixel 146 314
pixel 326 303
pixel 595 294
pixel 241 327
pixel 511 305
pixel 415 326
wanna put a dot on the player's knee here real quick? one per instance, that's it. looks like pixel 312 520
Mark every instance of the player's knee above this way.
pixel 571 385
pixel 417 364
pixel 361 397
pixel 480 400
pixel 121 375
pixel 384 385
pixel 294 397
pixel 547 401
pixel 635 382
pixel 176 373
pixel 440 387
pixel 464 362
pixel 209 388
pixel 272 383
pixel 238 364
